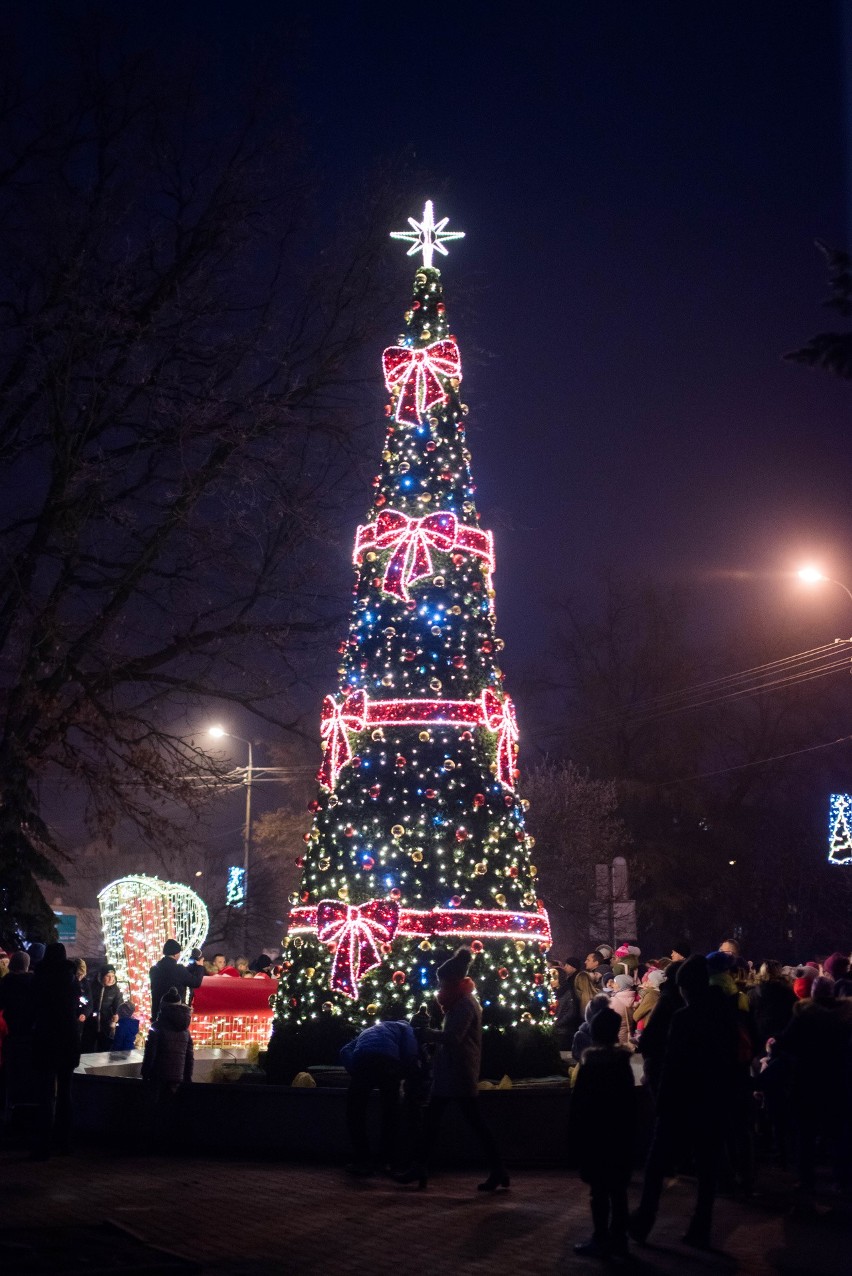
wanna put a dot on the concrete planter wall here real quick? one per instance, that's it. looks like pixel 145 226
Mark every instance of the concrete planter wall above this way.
pixel 531 1123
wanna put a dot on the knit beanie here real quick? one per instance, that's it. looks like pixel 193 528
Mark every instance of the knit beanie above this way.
pixel 836 966
pixel 622 983
pixel 171 948
pixel 596 1005
pixel 604 952
pixel 454 970
pixel 683 947
pixel 655 978
pixel 170 997
pixel 822 989
pixel 802 987
pixel 605 1027
pixel 718 963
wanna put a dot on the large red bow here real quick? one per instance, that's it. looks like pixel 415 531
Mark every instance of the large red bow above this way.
pixel 336 722
pixel 357 930
pixel 415 374
pixel 410 538
pixel 499 715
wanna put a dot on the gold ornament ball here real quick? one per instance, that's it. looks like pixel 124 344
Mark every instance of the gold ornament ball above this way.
pixel 501 900
pixel 425 945
pixel 424 736
pixel 397 830
pixel 310 972
pixel 372 1008
pixel 417 856
pixel 533 871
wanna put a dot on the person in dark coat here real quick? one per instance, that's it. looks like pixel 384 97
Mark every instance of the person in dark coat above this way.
pixel 654 1038
pixel 771 1002
pixel 567 1019
pixel 17 1007
pixel 601 1127
pixel 696 1092
pixel 106 999
pixel 582 1038
pixel 379 1058
pixel 87 1022
pixel 456 1070
pixel 56 1048
pixel 168 974
pixel 168 1058
pixel 817 1041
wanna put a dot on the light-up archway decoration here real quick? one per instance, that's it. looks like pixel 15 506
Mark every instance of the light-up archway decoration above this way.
pixel 139 914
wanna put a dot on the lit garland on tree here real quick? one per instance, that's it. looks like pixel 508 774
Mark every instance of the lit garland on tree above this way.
pixel 418 839
pixel 839 831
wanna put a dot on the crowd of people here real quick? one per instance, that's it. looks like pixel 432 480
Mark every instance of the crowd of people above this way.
pixel 732 1059
pixel 735 1057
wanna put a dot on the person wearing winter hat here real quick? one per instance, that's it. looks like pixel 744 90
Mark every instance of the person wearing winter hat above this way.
pixel 652 1043
pixel 604 968
pixel 601 1126
pixel 650 995
pixel 695 1093
pixel 836 966
pixel 456 1070
pixel 681 949
pixel 167 974
pixel 583 1036
pixel 167 1063
pixel 621 1001
pixel 562 977
pixel 805 976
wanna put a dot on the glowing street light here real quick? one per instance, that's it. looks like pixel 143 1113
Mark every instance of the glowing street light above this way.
pixel 813 576
pixel 218 732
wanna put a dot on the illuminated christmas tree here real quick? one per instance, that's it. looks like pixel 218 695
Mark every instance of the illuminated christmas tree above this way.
pixel 840 834
pixel 418 840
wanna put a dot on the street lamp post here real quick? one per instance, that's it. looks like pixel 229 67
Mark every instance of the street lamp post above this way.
pixel 813 576
pixel 218 733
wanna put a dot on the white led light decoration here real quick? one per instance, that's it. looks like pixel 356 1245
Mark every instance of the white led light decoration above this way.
pixel 427 236
pixel 139 914
pixel 839 829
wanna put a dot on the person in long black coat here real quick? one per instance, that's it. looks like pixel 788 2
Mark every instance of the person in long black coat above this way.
pixel 166 974
pixel 655 1034
pixel 696 1091
pixel 106 999
pixel 56 1048
pixel 601 1127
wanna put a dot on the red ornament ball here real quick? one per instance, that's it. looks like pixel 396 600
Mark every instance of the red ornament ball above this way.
pixel 508 799
pixel 431 445
pixel 294 1001
pixel 396 893
pixel 430 794
pixel 368 862
pixel 538 977
pixel 375 790
pixel 306 837
pixel 455 901
pixel 408 655
pixel 513 871
pixel 401 761
pixel 476 946
pixel 349 831
pixel 305 896
pixel 314 806
pixel 299 861
pixel 356 761
pixel 479 799
pixel 458 662
pixel 462 835
pixel 399 978
pixel 503 972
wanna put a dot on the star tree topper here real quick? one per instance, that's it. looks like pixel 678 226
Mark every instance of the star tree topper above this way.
pixel 427 236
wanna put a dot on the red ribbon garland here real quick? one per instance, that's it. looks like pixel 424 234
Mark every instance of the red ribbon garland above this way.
pixel 415 373
pixel 357 712
pixel 411 539
pixel 356 930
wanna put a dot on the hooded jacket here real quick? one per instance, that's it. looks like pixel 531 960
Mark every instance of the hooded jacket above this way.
pixel 457 1062
pixel 168 1057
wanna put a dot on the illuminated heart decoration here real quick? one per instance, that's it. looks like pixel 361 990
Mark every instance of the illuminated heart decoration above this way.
pixel 139 914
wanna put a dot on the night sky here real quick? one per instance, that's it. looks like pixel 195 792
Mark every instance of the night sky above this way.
pixel 641 185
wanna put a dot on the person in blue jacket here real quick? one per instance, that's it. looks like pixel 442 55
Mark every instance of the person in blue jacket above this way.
pixel 379 1058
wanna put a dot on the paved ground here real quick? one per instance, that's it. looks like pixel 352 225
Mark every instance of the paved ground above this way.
pixel 232 1218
